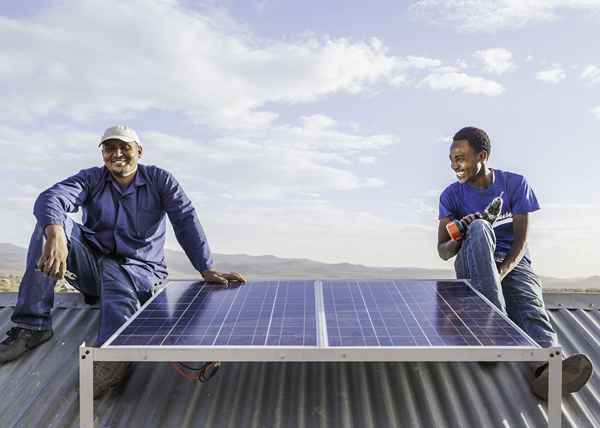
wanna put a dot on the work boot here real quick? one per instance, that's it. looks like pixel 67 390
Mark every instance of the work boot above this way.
pixel 576 371
pixel 19 340
pixel 108 375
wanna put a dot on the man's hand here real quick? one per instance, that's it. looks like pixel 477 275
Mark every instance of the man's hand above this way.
pixel 212 276
pixel 519 246
pixel 54 254
pixel 470 218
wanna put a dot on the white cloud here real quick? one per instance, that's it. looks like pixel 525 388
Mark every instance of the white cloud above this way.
pixel 423 62
pixel 318 122
pixel 553 74
pixel 171 59
pixel 282 161
pixel 367 159
pixel 95 59
pixel 595 111
pixel 496 60
pixel 591 73
pixel 492 15
pixel 460 81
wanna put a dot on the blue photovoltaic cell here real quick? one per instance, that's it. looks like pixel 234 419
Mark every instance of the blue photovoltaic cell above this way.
pixel 413 313
pixel 268 313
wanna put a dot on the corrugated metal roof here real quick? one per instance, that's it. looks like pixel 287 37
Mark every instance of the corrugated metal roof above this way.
pixel 40 389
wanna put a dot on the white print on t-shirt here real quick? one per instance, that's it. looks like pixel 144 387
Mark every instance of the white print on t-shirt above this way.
pixel 503 219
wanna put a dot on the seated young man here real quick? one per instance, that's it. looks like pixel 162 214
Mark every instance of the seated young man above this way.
pixel 116 255
pixel 495 256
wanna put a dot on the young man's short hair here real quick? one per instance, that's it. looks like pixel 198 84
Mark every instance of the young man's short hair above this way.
pixel 477 138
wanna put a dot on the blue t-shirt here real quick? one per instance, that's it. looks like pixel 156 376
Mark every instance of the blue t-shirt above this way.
pixel 459 200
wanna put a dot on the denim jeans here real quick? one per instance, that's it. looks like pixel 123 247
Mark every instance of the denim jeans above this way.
pixel 519 295
pixel 97 275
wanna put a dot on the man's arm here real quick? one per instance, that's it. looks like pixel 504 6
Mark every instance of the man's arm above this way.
pixel 447 247
pixel 50 209
pixel 190 234
pixel 514 256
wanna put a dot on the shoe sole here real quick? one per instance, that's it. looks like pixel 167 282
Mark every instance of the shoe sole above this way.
pixel 581 367
pixel 576 371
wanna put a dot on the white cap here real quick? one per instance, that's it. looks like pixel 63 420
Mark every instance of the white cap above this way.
pixel 121 132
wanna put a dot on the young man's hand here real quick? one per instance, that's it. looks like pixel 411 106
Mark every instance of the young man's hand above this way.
pixel 470 218
pixel 214 277
pixel 54 254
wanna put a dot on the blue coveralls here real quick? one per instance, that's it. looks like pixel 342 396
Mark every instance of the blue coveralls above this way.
pixel 118 252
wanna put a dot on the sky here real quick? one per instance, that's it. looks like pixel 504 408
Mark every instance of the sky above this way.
pixel 312 129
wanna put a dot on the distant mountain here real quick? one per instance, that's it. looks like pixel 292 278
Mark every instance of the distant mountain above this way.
pixel 272 267
pixel 589 283
pixel 12 259
pixel 12 262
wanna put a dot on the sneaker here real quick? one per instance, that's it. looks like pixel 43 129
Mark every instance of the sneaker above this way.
pixel 19 340
pixel 108 375
pixel 576 371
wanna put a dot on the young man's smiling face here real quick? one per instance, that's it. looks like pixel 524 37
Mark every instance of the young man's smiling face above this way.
pixel 120 157
pixel 466 162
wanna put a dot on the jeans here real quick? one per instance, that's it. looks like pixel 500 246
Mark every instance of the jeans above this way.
pixel 519 295
pixel 97 275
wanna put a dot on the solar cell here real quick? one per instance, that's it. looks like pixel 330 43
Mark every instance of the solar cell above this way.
pixel 267 313
pixel 414 313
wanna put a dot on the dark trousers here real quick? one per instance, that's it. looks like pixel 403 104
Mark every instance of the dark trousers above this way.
pixel 97 276
pixel 519 295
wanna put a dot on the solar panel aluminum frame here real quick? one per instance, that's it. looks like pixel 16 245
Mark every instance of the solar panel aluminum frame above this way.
pixel 229 353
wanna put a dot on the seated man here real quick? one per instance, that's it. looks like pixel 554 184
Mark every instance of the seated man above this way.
pixel 495 256
pixel 117 255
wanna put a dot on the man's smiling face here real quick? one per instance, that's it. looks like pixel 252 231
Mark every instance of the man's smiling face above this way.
pixel 465 161
pixel 120 157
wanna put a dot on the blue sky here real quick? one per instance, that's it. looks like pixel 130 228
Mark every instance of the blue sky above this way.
pixel 305 129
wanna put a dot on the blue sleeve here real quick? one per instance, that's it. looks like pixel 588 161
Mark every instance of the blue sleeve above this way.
pixel 522 198
pixel 446 208
pixel 188 231
pixel 53 204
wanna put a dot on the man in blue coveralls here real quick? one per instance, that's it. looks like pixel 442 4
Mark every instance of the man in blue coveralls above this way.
pixel 116 255
pixel 495 256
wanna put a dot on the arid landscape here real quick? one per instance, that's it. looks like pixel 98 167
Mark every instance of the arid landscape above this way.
pixel 12 262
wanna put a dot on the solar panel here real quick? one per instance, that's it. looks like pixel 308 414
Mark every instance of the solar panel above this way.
pixel 314 313
pixel 267 313
pixel 414 313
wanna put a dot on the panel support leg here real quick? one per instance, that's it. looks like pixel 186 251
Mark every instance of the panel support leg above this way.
pixel 86 387
pixel 555 389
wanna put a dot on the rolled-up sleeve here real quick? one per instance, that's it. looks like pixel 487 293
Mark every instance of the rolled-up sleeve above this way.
pixel 187 227
pixel 53 204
